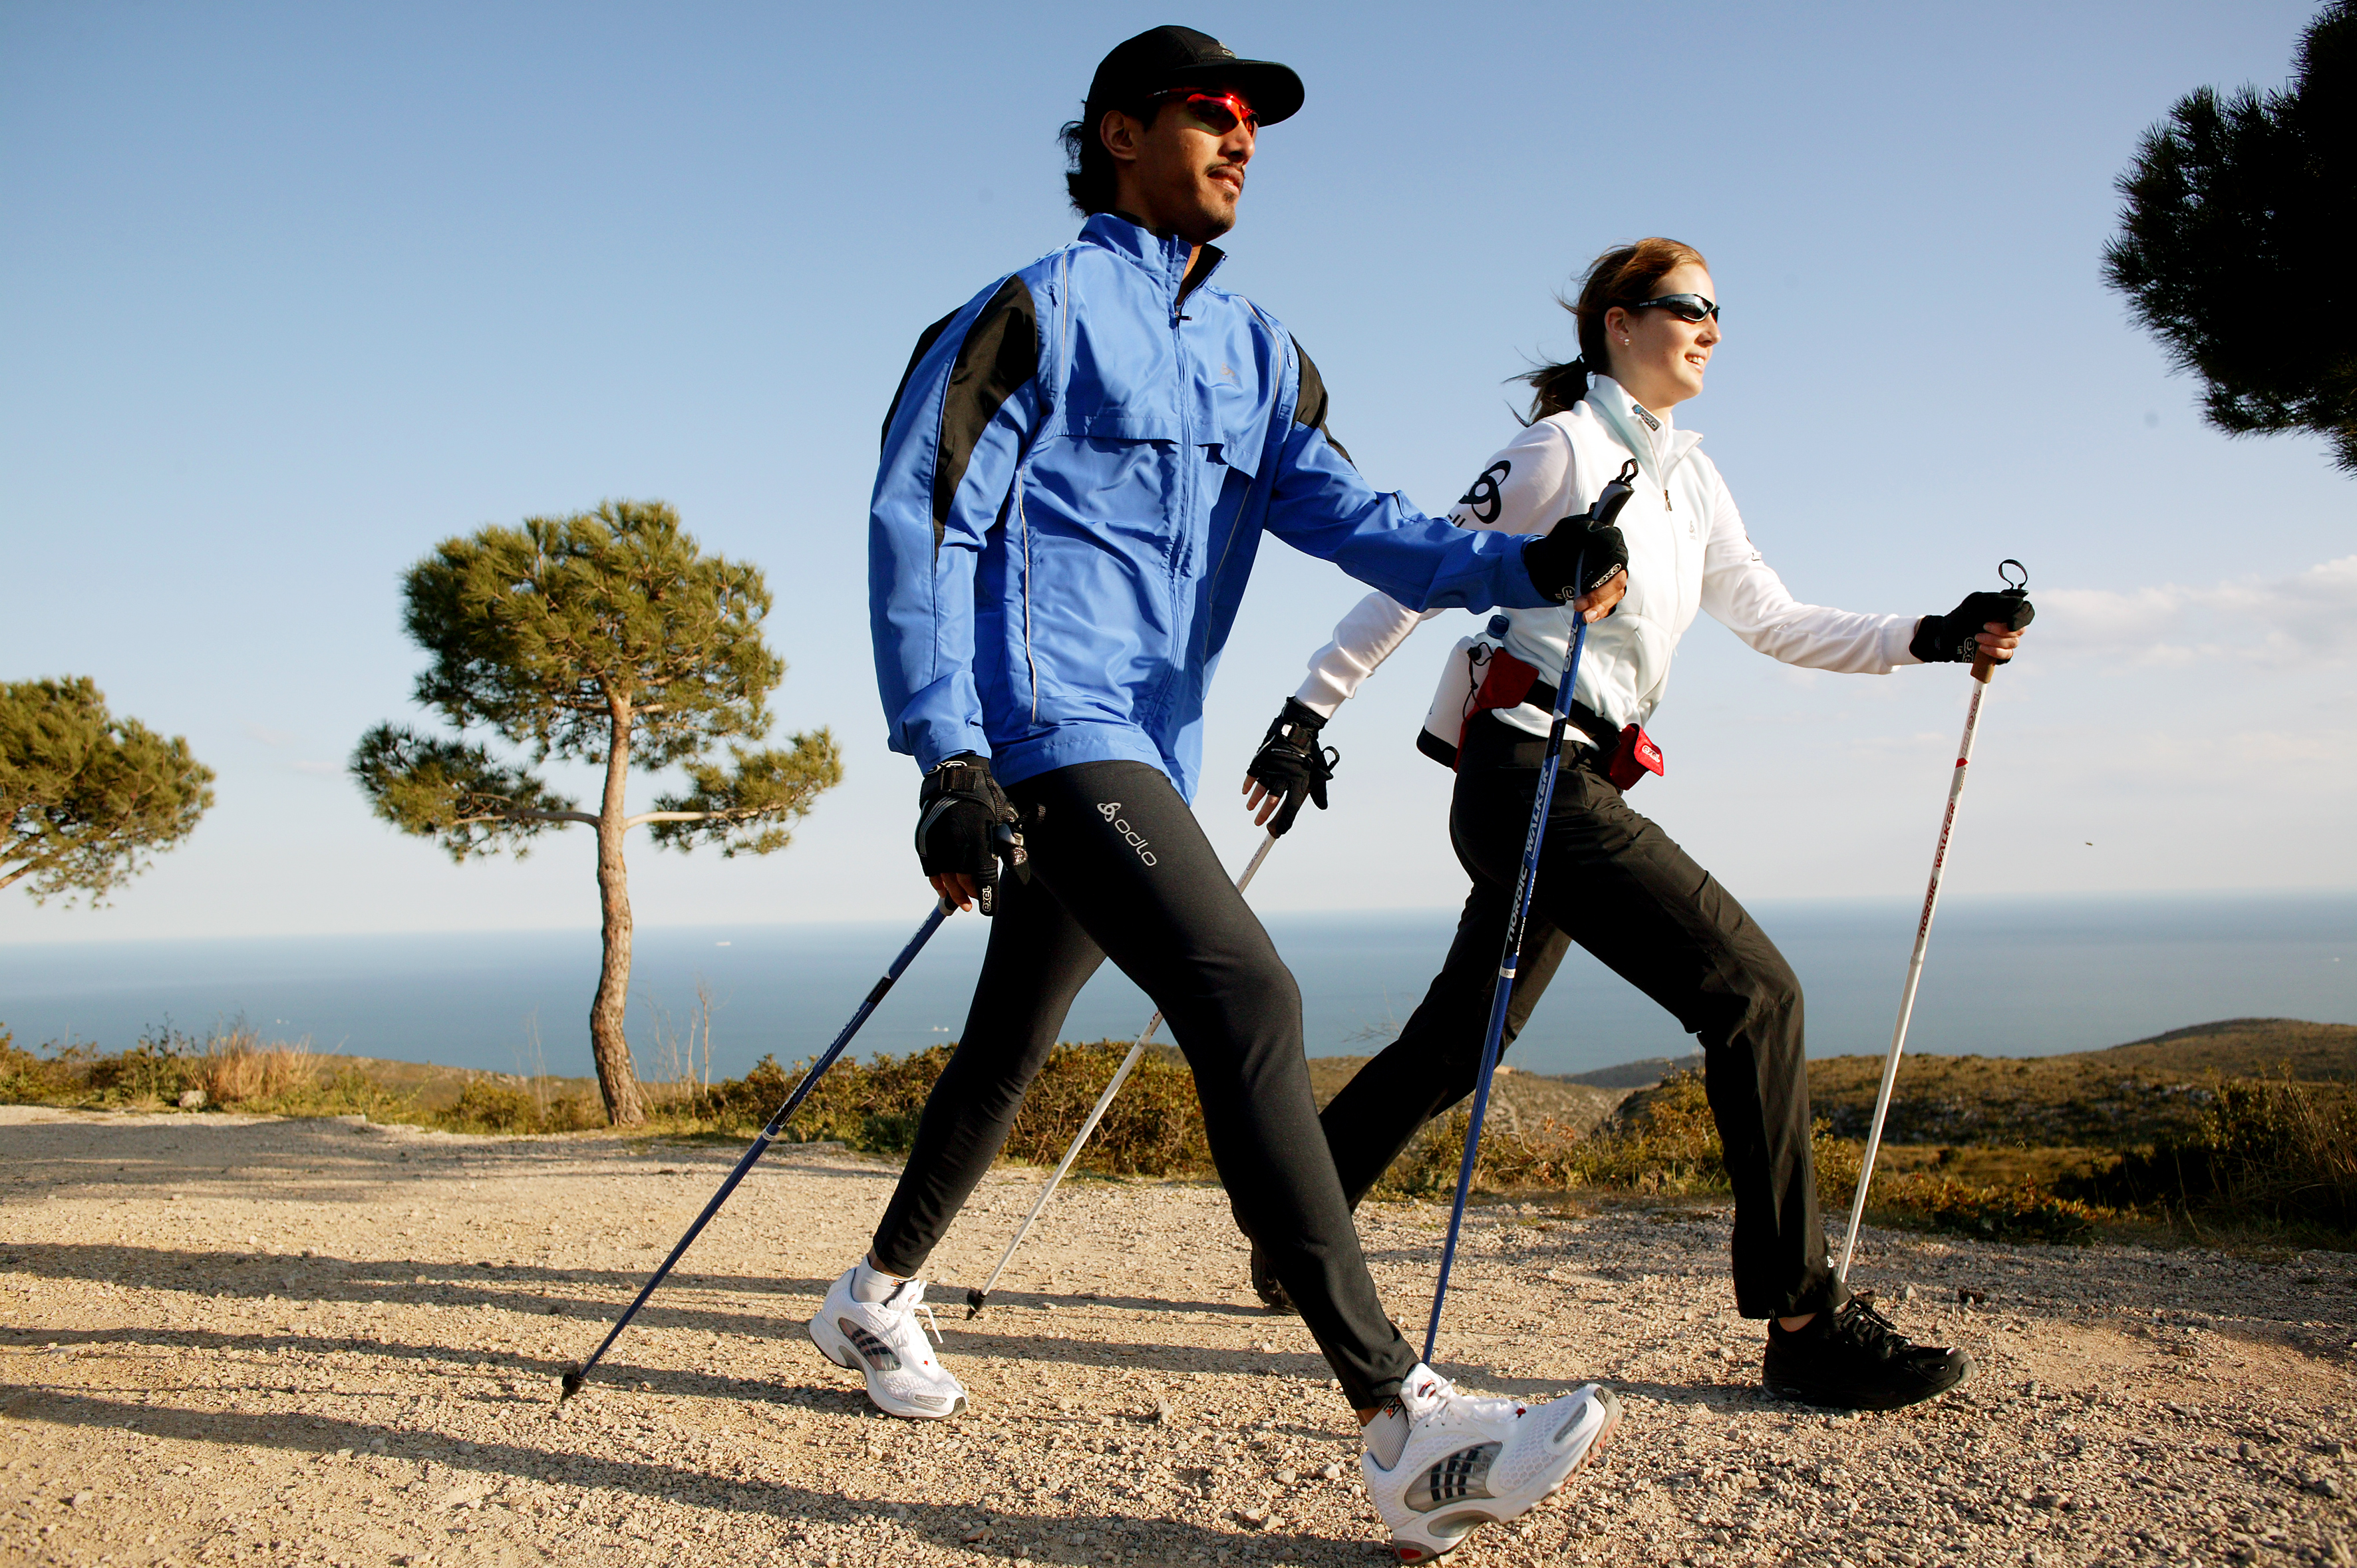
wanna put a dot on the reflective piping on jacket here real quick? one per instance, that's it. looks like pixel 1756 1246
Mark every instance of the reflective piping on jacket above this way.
pixel 1051 397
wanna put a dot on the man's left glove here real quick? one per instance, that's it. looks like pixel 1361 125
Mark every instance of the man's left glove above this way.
pixel 1588 546
pixel 1290 763
pixel 965 826
pixel 1597 550
pixel 1953 638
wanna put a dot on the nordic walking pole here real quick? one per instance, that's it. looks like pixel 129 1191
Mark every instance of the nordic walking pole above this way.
pixel 768 1135
pixel 1982 669
pixel 1608 507
pixel 975 1300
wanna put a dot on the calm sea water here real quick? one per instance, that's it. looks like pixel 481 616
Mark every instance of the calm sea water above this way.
pixel 2007 977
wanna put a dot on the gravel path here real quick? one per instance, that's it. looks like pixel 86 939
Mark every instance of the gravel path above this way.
pixel 226 1339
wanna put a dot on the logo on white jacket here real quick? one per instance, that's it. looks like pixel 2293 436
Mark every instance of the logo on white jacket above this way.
pixel 1110 811
pixel 1483 497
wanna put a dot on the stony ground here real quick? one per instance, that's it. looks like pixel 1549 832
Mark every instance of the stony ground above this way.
pixel 229 1340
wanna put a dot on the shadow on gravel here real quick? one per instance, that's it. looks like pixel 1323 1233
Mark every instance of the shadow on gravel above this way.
pixel 530 1289
pixel 298 1287
pixel 942 1524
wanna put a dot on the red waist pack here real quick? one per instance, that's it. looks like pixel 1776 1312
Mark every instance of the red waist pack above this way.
pixel 1508 682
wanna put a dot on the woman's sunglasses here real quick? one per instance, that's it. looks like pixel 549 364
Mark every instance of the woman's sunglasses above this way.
pixel 1218 113
pixel 1684 307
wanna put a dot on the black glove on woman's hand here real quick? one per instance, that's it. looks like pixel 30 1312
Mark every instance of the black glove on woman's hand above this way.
pixel 965 823
pixel 1953 638
pixel 1290 763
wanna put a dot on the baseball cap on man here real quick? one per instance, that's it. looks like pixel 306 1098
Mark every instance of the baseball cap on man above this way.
pixel 1181 57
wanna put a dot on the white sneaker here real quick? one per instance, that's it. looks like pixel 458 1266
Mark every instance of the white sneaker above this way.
pixel 1468 1462
pixel 882 1342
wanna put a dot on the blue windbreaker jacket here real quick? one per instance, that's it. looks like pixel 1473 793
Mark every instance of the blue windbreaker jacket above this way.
pixel 1076 472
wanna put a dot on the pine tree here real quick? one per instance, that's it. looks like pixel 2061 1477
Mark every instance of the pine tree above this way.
pixel 2230 248
pixel 608 638
pixel 86 797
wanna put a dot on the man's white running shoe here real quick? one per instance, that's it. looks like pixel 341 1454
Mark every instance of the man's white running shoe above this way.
pixel 1469 1462
pixel 883 1342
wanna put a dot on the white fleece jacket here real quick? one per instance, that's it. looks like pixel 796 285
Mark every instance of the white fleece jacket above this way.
pixel 1687 551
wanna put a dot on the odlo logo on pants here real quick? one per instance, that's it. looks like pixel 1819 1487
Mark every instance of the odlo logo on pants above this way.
pixel 1110 811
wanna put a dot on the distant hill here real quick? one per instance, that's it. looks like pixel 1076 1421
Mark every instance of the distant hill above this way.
pixel 2117 1098
pixel 2248 1047
pixel 1640 1074
pixel 1518 1100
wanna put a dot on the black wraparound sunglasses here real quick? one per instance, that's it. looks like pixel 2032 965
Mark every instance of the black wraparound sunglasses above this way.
pixel 1684 307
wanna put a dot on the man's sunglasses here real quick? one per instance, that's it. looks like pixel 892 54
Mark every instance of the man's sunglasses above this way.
pixel 1218 113
pixel 1684 307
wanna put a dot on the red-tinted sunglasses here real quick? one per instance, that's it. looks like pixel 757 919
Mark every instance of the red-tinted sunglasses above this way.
pixel 1218 113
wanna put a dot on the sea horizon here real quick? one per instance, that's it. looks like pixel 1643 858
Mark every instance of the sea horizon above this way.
pixel 2004 976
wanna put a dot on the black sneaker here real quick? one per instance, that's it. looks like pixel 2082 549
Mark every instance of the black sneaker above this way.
pixel 1856 1359
pixel 1268 1287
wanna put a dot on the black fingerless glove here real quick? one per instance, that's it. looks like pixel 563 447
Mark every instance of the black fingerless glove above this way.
pixel 1952 638
pixel 1291 764
pixel 965 826
pixel 1588 545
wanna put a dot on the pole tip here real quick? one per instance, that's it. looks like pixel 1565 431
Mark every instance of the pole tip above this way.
pixel 571 1384
pixel 975 1301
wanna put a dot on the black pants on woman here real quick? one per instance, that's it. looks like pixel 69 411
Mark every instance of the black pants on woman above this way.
pixel 1611 881
pixel 1121 869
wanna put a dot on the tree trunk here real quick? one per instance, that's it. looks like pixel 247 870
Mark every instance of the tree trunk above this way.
pixel 608 1039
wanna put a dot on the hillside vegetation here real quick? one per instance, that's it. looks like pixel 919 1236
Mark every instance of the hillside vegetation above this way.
pixel 2245 1126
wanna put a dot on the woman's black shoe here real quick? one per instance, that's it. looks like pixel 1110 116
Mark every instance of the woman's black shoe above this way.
pixel 1268 1287
pixel 1856 1359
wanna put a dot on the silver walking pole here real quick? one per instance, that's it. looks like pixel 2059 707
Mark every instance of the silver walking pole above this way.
pixel 1982 669
pixel 976 1299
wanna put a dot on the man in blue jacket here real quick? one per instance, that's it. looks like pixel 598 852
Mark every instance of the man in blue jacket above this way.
pixel 1077 471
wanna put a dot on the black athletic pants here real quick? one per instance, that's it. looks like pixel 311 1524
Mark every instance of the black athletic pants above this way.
pixel 1121 869
pixel 1613 882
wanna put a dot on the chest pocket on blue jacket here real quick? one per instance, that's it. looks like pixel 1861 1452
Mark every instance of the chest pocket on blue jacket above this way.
pixel 1116 475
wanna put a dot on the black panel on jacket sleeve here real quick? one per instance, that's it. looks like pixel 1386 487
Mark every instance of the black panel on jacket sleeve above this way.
pixel 1001 352
pixel 1309 408
pixel 924 341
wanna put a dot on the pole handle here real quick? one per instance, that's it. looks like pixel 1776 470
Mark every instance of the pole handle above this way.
pixel 1983 667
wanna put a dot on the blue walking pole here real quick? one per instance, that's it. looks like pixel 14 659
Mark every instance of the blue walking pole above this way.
pixel 573 1379
pixel 1608 507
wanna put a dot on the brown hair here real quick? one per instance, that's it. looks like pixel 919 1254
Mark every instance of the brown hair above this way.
pixel 1623 275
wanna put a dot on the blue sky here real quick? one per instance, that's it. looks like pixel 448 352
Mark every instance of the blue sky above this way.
pixel 290 293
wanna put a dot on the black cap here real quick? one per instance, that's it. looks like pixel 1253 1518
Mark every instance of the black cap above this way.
pixel 1181 57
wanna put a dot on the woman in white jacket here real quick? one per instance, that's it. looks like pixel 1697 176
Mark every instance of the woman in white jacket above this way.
pixel 1608 878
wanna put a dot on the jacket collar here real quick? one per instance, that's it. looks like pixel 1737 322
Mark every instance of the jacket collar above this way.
pixel 1651 438
pixel 1164 259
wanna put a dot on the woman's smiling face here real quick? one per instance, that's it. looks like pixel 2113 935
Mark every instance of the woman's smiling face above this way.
pixel 1656 357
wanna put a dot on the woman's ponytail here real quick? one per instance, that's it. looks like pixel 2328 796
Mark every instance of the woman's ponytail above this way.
pixel 1557 387
pixel 1625 275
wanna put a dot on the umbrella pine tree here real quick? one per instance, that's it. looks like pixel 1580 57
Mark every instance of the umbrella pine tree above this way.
pixel 2229 247
pixel 607 638
pixel 85 798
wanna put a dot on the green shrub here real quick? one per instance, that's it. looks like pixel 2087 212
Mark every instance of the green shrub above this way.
pixel 2023 1213
pixel 159 1067
pixel 1153 1127
pixel 2276 1150
pixel 27 1079
pixel 487 1106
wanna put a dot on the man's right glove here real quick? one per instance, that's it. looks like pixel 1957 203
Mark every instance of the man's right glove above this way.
pixel 966 825
pixel 1290 763
pixel 1952 638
